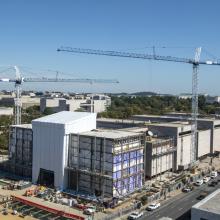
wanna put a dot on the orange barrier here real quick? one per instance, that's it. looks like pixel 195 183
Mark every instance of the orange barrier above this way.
pixel 48 209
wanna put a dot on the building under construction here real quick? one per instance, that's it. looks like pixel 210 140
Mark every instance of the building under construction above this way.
pixel 106 163
pixel 20 150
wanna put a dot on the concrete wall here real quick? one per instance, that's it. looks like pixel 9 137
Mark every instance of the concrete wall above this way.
pixel 183 150
pixel 216 142
pixel 162 164
pixel 204 142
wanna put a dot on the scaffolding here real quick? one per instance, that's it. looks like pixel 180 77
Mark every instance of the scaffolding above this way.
pixel 20 151
pixel 106 167
pixel 87 163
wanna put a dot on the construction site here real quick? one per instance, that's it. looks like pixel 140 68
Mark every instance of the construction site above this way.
pixel 109 110
pixel 76 162
pixel 97 167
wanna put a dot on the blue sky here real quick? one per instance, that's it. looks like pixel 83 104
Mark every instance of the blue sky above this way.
pixel 31 31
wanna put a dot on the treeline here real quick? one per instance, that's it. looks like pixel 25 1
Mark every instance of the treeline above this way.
pixel 124 106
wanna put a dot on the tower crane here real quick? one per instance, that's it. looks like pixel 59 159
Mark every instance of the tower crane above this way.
pixel 196 62
pixel 19 80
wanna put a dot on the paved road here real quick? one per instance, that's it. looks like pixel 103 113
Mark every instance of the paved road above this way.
pixel 179 206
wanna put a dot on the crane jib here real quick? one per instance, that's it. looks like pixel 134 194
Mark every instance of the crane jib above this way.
pixel 136 55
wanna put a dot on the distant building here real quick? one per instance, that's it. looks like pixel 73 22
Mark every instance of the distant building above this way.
pixel 27 100
pixel 91 103
pixel 212 99
pixel 6 111
pixel 185 96
pixel 208 208
pixel 189 95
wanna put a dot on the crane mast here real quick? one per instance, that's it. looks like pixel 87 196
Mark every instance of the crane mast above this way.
pixel 194 62
pixel 18 104
pixel 194 114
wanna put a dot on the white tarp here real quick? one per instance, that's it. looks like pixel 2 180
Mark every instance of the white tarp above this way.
pixel 50 141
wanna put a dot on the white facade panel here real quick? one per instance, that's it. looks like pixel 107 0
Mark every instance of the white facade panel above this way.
pixel 48 148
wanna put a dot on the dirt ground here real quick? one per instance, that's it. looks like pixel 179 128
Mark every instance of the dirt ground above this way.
pixel 13 217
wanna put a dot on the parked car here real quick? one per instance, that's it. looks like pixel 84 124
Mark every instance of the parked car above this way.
pixel 206 179
pixel 202 195
pixel 214 174
pixel 135 215
pixel 14 212
pixel 187 189
pixel 199 182
pixel 153 206
pixel 213 183
pixel 5 212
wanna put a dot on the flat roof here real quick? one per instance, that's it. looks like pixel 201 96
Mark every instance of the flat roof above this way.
pixel 110 134
pixel 115 120
pixel 146 123
pixel 28 126
pixel 64 117
pixel 134 129
pixel 210 203
pixel 169 124
pixel 176 117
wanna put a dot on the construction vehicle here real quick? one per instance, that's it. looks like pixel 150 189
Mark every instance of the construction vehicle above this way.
pixel 29 192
